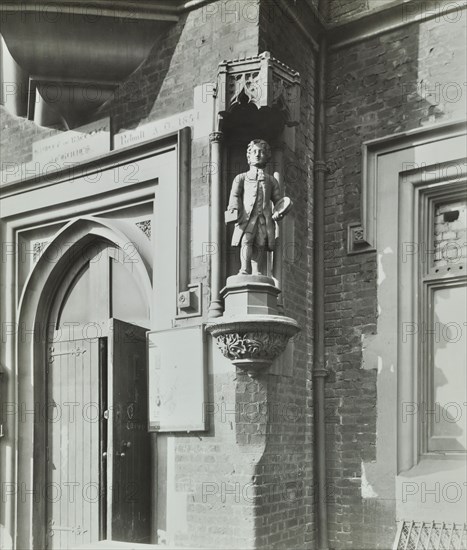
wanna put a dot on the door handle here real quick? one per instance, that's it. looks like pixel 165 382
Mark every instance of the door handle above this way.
pixel 125 445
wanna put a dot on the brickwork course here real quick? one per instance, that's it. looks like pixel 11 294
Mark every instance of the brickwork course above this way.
pixel 249 482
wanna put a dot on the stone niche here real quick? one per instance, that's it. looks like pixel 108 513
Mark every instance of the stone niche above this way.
pixel 257 97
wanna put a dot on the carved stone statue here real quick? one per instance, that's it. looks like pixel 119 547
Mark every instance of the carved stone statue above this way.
pixel 251 209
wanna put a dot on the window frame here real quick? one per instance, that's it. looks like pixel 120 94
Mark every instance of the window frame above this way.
pixel 429 280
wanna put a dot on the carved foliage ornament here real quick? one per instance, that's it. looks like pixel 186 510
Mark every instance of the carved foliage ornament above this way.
pixel 253 342
pixel 262 81
pixel 145 227
pixel 356 242
pixel 38 248
pixel 252 345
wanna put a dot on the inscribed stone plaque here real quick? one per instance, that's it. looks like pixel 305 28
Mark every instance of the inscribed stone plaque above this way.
pixel 177 379
pixel 156 129
pixel 69 148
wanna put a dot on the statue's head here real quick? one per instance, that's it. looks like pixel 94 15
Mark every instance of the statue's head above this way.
pixel 258 153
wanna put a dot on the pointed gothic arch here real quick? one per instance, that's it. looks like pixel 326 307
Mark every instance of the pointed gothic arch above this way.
pixel 65 250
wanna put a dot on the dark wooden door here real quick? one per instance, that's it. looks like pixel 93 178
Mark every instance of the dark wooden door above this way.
pixel 129 460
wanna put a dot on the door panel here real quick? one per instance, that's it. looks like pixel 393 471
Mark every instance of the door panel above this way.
pixel 130 501
pixel 72 490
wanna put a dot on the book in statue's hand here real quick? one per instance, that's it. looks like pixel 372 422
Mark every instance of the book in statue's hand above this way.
pixel 231 215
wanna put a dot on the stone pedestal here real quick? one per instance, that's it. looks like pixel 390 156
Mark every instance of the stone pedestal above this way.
pixel 250 295
pixel 251 333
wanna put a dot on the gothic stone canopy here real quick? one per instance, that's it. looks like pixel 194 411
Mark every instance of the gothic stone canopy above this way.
pixel 261 81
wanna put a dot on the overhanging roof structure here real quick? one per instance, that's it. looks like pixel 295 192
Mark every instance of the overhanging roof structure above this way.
pixel 61 60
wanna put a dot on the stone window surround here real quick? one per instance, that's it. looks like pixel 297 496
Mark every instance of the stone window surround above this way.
pixel 384 161
pixel 421 471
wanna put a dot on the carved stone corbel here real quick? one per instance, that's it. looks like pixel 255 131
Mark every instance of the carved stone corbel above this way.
pixel 254 341
pixel 251 333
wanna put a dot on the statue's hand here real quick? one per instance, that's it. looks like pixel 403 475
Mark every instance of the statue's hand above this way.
pixel 276 216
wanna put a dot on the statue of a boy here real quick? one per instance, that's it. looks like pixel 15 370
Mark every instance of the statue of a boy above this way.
pixel 250 207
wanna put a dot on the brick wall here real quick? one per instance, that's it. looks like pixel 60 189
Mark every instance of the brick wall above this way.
pixel 342 11
pixel 411 77
pixel 17 136
pixel 450 233
pixel 185 56
pixel 287 521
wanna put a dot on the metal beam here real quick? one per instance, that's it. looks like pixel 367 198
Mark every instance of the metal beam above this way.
pixel 126 10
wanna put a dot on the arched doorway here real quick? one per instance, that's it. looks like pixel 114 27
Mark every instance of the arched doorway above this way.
pixel 98 450
pixel 89 304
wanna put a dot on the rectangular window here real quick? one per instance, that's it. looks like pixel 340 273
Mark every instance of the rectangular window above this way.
pixel 443 341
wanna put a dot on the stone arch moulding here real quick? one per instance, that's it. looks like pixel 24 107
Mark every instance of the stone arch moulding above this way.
pixel 34 304
pixel 79 231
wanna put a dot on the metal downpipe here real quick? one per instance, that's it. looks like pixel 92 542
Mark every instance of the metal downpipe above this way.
pixel 319 370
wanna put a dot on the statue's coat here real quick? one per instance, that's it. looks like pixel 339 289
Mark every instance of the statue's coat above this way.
pixel 243 196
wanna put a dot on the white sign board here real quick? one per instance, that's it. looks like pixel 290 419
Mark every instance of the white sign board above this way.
pixel 177 379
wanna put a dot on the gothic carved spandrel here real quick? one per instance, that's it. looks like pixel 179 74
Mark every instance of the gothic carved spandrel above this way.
pixel 145 227
pixel 37 248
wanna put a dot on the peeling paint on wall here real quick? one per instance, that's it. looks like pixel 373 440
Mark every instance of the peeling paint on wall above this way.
pixel 381 273
pixel 367 489
pixel 380 364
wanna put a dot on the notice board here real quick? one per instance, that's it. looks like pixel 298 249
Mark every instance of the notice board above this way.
pixel 177 379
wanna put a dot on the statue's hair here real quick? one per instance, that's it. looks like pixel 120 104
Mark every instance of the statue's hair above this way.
pixel 259 143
